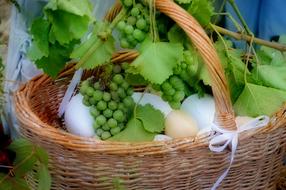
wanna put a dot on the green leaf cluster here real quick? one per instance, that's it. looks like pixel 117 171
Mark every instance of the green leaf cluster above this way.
pixel 143 126
pixel 55 33
pixel 264 90
pixel 29 158
pixel 157 60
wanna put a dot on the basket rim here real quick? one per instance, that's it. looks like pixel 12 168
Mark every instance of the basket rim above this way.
pixel 30 121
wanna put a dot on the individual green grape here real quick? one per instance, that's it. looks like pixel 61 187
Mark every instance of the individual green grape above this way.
pixel 86 103
pixel 179 96
pixel 175 105
pixel 113 86
pixel 92 101
pixel 89 91
pixel 108 113
pixel 118 78
pixel 106 127
pixel 124 43
pixel 101 105
pixel 131 20
pixel 83 89
pixel 170 92
pixel 125 85
pixel 121 25
pixel 128 101
pixel 97 86
pixel 106 96
pixel 100 120
pixel 166 86
pixel 128 3
pixel 112 105
pixel 139 6
pixel 131 39
pixel 125 65
pixel 116 69
pixel 112 123
pixel 115 130
pixel 105 135
pixel 139 35
pixel 141 24
pixel 121 107
pixel 167 98
pixel 128 29
pixel 135 11
pixel 97 95
pixel 121 92
pixel 118 115
pixel 130 91
pixel 94 112
pixel 115 96
pixel 121 125
pixel 85 83
pixel 99 131
pixel 95 125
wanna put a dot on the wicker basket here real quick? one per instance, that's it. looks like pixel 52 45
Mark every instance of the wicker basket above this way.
pixel 78 163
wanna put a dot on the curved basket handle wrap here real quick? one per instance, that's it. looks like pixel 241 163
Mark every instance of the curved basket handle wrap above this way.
pixel 224 112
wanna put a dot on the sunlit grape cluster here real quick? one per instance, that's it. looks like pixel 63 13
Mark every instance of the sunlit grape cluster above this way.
pixel 110 105
pixel 134 28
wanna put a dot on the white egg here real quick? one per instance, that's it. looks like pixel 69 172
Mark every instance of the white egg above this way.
pixel 162 138
pixel 154 100
pixel 201 109
pixel 179 124
pixel 78 119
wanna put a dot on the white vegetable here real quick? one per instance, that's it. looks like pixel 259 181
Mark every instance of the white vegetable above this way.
pixel 179 124
pixel 78 119
pixel 201 109
pixel 162 138
pixel 154 100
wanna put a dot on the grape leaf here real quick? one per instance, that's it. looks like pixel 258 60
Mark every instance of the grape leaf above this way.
pixel 80 8
pixel 65 27
pixel 177 35
pixel 25 156
pixel 271 75
pixel 202 10
pixel 151 118
pixel 233 66
pixel 101 54
pixel 134 132
pixel 56 60
pixel 19 184
pixel 258 100
pixel 44 178
pixel 5 184
pixel 157 60
pixel 40 47
pixel 270 56
pixel 95 51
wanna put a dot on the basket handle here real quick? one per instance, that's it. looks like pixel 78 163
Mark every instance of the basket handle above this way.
pixel 224 112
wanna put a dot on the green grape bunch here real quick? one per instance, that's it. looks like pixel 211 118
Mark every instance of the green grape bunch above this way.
pixel 110 104
pixel 175 89
pixel 134 27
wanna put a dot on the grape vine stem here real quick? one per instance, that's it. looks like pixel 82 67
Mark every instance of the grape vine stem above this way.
pixel 248 38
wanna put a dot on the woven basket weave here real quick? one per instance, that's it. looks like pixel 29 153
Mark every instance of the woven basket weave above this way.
pixel 78 163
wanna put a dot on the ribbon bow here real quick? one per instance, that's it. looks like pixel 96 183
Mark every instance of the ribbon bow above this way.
pixel 225 138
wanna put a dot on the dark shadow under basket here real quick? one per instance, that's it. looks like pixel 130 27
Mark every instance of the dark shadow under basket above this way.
pixel 78 163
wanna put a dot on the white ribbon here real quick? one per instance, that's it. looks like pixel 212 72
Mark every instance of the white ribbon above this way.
pixel 74 82
pixel 225 138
